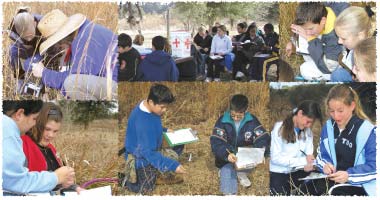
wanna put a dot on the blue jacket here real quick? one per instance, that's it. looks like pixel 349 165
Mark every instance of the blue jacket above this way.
pixel 364 170
pixel 16 176
pixel 157 66
pixel 250 133
pixel 89 52
pixel 144 139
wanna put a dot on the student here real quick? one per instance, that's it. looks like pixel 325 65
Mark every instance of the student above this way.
pixel 37 144
pixel 315 25
pixel 18 118
pixel 241 30
pixel 352 26
pixel 347 147
pixel 159 65
pixel 252 45
pixel 144 139
pixel 236 128
pixel 202 42
pixel 138 45
pixel 23 31
pixel 365 61
pixel 221 45
pixel 271 39
pixel 129 58
pixel 292 148
pixel 91 47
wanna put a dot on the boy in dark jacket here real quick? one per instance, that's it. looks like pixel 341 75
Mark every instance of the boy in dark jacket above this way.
pixel 236 128
pixel 144 139
pixel 159 65
pixel 129 58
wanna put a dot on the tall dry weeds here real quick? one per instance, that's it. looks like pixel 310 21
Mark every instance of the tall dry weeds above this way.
pixel 104 13
pixel 92 153
pixel 198 106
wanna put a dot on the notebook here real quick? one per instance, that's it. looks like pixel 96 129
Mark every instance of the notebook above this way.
pixel 248 158
pixel 181 136
pixel 313 175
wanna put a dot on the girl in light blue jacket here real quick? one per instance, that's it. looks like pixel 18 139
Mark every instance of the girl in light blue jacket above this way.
pixel 347 152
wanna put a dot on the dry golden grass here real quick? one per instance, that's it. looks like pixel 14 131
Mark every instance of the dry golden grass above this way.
pixel 91 152
pixel 104 13
pixel 198 105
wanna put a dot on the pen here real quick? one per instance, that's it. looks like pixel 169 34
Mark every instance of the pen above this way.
pixel 229 151
pixel 303 152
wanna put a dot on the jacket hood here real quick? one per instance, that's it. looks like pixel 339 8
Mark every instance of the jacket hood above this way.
pixel 158 57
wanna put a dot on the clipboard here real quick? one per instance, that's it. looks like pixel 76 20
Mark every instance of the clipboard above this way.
pixel 181 136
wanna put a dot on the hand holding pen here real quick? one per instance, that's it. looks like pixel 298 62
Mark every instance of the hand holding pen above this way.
pixel 231 157
pixel 310 162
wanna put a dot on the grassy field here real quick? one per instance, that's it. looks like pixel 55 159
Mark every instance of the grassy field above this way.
pixel 198 106
pixel 104 13
pixel 91 152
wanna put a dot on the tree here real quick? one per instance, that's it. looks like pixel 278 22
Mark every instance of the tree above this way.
pixel 84 112
pixel 190 14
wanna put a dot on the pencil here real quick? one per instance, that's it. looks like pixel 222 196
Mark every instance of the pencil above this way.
pixel 303 152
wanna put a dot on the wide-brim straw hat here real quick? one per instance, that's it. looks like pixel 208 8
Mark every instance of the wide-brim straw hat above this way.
pixel 55 26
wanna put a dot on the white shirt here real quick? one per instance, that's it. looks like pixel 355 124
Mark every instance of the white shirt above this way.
pixel 142 50
pixel 286 156
pixel 221 45
pixel 348 59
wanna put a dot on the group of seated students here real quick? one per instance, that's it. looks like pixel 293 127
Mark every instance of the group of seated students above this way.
pixel 156 65
pixel 346 155
pixel 30 161
pixel 205 46
pixel 337 42
pixel 234 53
pixel 54 53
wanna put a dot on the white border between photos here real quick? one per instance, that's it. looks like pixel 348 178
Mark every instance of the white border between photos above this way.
pixel 200 197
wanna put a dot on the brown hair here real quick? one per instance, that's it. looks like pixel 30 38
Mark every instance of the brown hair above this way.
pixel 365 55
pixel 310 12
pixel 223 28
pixel 347 95
pixel 139 39
pixel 309 109
pixel 49 112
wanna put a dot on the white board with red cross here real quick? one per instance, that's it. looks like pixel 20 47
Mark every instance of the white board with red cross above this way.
pixel 181 43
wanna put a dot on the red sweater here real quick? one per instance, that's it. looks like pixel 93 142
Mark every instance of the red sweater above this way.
pixel 35 158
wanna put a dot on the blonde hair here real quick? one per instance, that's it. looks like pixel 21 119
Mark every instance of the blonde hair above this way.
pixel 23 22
pixel 139 39
pixel 347 95
pixel 365 55
pixel 356 19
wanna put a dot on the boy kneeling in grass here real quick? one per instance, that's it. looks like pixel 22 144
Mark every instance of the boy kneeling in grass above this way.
pixel 143 140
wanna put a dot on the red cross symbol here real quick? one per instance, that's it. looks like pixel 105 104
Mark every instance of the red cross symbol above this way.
pixel 187 43
pixel 176 42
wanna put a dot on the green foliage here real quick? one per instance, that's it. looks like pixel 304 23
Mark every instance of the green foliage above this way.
pixel 84 112
pixel 193 14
